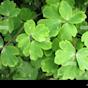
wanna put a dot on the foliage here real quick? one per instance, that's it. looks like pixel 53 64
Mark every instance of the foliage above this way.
pixel 43 39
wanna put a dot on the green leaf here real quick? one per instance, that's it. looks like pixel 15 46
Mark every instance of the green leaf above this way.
pixel 24 43
pixel 1 43
pixel 26 14
pixel 17 23
pixel 25 72
pixel 8 8
pixel 85 38
pixel 68 72
pixel 46 45
pixel 8 56
pixel 55 44
pixel 79 44
pixel 83 76
pixel 48 52
pixel 82 58
pixel 48 65
pixel 51 11
pixel 29 27
pixel 71 2
pixel 77 18
pixel 67 32
pixel 41 33
pixel 36 64
pixel 65 10
pixel 35 51
pixel 6 26
pixel 7 37
pixel 53 26
pixel 65 53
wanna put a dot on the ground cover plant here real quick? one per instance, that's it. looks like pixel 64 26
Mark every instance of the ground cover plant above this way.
pixel 43 39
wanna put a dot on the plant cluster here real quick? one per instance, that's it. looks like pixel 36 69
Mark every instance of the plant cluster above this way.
pixel 43 39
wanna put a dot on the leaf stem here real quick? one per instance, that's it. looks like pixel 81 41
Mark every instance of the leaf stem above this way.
pixel 21 29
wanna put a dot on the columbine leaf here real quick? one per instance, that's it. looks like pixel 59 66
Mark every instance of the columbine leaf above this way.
pixel 41 33
pixel 79 44
pixel 65 10
pixel 85 38
pixel 8 8
pixel 29 27
pixel 35 51
pixel 51 11
pixel 77 18
pixel 48 52
pixel 46 45
pixel 83 76
pixel 24 43
pixel 26 14
pixel 48 65
pixel 66 53
pixel 82 58
pixel 36 64
pixel 67 32
pixel 25 72
pixel 17 23
pixel 55 44
pixel 53 26
pixel 6 26
pixel 8 56
pixel 68 72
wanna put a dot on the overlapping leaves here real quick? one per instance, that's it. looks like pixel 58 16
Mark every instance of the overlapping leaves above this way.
pixel 40 34
pixel 51 44
pixel 68 53
pixel 63 15
pixel 9 56
pixel 8 8
pixel 25 72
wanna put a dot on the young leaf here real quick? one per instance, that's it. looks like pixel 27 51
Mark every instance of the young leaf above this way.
pixel 83 76
pixel 25 72
pixel 35 51
pixel 53 26
pixel 46 45
pixel 48 65
pixel 8 56
pixel 8 8
pixel 85 38
pixel 24 43
pixel 41 33
pixel 51 11
pixel 36 64
pixel 79 44
pixel 6 26
pixel 48 53
pixel 65 53
pixel 67 32
pixel 68 72
pixel 55 44
pixel 65 10
pixel 29 27
pixel 82 58
pixel 77 18
pixel 26 14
